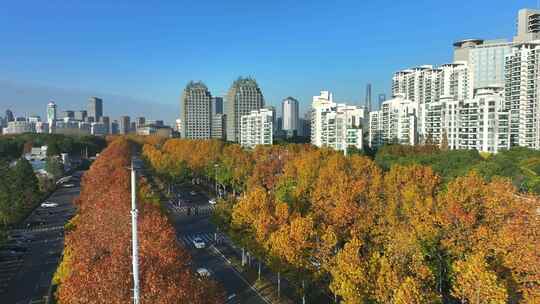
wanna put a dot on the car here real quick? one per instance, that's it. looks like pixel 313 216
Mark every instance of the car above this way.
pixel 35 224
pixel 193 193
pixel 49 205
pixel 198 243
pixel 203 272
pixel 212 201
pixel 68 185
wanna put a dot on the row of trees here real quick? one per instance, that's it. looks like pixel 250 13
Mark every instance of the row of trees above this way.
pixel 19 192
pixel 96 267
pixel 384 231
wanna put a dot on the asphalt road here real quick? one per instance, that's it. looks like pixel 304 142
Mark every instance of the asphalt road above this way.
pixel 28 280
pixel 190 226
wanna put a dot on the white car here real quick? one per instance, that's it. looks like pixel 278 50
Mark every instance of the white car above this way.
pixel 198 243
pixel 212 201
pixel 203 272
pixel 49 205
pixel 68 185
pixel 193 193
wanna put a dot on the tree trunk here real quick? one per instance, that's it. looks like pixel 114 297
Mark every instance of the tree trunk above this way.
pixel 303 292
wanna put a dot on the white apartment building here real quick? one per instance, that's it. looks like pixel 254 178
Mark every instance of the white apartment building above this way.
pixel 395 122
pixel 197 111
pixel 256 128
pixel 336 125
pixel 521 94
pixel 484 121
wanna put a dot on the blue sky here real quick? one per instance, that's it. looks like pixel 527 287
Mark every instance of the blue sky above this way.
pixel 149 50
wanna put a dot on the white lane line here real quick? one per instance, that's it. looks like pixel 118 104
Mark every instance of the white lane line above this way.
pixel 238 274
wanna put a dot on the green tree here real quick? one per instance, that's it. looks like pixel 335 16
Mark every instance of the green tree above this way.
pixel 54 167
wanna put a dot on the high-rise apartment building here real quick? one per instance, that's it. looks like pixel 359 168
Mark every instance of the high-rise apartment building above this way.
pixel 95 108
pixel 336 125
pixel 140 122
pixel 521 94
pixel 528 25
pixel 243 97
pixel 290 115
pixel 124 125
pixel 256 128
pixel 395 123
pixel 68 114
pixel 197 111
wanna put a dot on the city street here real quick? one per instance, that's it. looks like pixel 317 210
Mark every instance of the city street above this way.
pixel 188 227
pixel 27 279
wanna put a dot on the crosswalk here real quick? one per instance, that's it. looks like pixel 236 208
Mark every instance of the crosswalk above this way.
pixel 192 210
pixel 208 238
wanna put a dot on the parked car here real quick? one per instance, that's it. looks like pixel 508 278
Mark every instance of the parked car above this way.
pixel 49 205
pixel 198 243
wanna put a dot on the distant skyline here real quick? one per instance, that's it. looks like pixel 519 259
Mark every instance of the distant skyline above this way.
pixel 143 54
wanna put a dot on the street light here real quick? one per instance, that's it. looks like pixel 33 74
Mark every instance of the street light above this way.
pixel 215 179
pixel 136 164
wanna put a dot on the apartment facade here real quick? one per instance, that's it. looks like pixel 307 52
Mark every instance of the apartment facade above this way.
pixel 243 97
pixel 197 111
pixel 256 128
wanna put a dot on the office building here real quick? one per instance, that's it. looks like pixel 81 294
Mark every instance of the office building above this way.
pixel 95 109
pixel 336 125
pixel 217 105
pixel 51 112
pixel 81 115
pixel 140 122
pixel 68 114
pixel 243 97
pixel 218 126
pixel 256 128
pixel 381 99
pixel 197 111
pixel 114 127
pixel 289 115
pixel 106 121
pixel 99 129
pixel 9 116
pixel 124 125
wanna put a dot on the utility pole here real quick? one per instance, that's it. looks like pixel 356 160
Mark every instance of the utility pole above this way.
pixel 135 245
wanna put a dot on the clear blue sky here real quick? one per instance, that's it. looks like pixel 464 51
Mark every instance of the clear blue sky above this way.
pixel 151 49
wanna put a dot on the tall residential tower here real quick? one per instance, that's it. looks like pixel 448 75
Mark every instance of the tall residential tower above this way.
pixel 197 111
pixel 243 97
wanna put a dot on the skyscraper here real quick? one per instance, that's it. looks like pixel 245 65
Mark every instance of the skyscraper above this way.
pixel 289 112
pixel 106 123
pixel 217 105
pixel 51 112
pixel 197 111
pixel 140 121
pixel 68 114
pixel 243 97
pixel 368 97
pixel 123 125
pixel 528 25
pixel 95 108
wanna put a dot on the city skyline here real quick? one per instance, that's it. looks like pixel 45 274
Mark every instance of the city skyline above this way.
pixel 347 77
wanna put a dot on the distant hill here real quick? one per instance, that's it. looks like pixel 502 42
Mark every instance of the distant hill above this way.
pixel 31 99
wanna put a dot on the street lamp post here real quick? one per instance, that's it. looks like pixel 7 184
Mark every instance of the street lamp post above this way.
pixel 215 180
pixel 135 165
